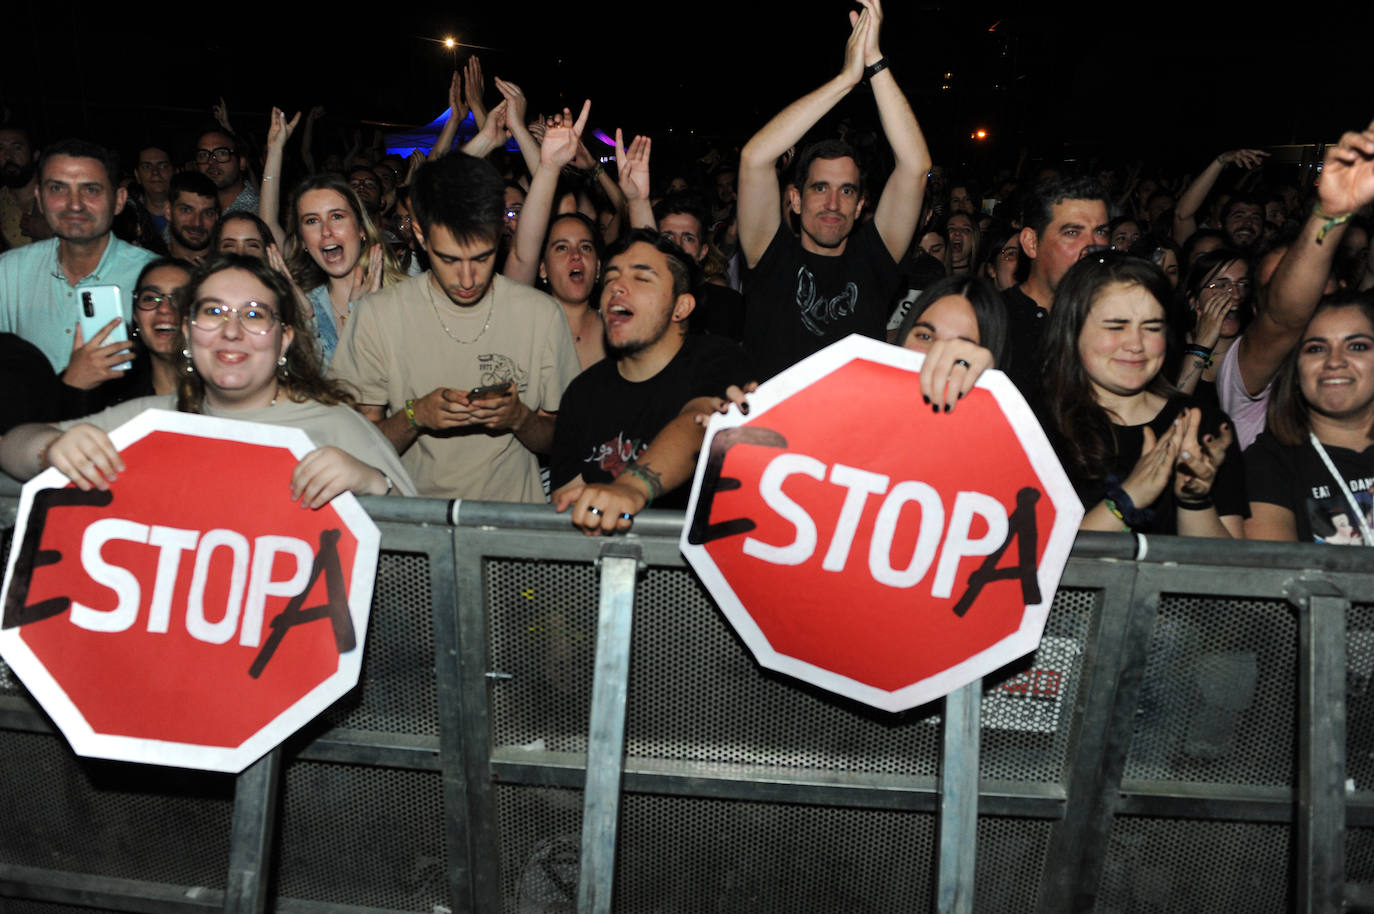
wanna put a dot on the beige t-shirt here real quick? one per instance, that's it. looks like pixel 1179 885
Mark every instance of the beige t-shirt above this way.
pixel 327 426
pixel 408 340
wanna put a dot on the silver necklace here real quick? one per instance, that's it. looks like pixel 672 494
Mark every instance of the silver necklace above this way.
pixel 440 318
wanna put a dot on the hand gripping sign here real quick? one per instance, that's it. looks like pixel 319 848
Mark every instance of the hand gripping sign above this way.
pixel 862 543
pixel 191 615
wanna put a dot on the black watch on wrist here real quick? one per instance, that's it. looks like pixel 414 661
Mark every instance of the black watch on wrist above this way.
pixel 874 69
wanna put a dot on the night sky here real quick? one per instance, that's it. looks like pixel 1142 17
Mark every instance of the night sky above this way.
pixel 1172 88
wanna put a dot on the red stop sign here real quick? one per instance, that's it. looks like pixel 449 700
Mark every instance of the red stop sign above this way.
pixel 861 542
pixel 193 615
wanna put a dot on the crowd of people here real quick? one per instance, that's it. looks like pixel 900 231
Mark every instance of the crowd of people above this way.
pixel 509 319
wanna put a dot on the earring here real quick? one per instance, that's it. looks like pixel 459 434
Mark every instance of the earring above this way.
pixel 282 372
pixel 190 366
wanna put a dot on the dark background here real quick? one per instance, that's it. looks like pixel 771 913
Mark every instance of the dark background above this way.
pixel 1171 85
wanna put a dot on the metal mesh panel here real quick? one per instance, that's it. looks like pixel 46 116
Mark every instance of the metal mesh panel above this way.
pixel 398 693
pixel 1359 696
pixel 1182 866
pixel 1010 863
pixel 111 819
pixel 363 836
pixel 18 906
pixel 1217 701
pixel 1028 706
pixel 1359 855
pixel 696 855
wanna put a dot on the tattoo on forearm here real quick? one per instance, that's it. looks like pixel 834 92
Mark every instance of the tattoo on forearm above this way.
pixel 650 478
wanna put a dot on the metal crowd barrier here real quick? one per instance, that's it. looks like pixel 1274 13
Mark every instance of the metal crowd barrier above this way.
pixel 552 722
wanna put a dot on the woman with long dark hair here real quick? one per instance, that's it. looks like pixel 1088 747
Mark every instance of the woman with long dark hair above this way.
pixel 1141 456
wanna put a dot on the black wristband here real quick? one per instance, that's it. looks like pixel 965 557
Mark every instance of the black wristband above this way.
pixel 1133 516
pixel 873 70
pixel 1201 503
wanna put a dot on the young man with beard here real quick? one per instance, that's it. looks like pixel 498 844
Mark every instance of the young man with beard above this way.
pixel 20 221
pixel 461 369
pixel 627 433
pixel 79 195
pixel 571 265
pixel 840 276
pixel 193 209
pixel 218 158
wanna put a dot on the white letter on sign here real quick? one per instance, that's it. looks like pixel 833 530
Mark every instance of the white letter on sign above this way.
pixel 770 488
pixel 196 623
pixel 120 580
pixel 861 484
pixel 260 583
pixel 172 542
pixel 927 540
pixel 957 543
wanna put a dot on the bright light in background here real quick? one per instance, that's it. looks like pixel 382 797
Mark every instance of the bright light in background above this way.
pixel 980 134
pixel 450 43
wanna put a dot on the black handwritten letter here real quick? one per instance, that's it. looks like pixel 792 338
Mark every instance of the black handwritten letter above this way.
pixel 1021 527
pixel 335 607
pixel 31 557
pixel 702 531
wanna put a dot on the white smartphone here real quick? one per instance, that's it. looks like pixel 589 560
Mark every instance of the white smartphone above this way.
pixel 99 306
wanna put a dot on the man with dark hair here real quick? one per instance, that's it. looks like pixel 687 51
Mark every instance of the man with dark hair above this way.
pixel 461 369
pixel 627 433
pixel 193 209
pixel 720 309
pixel 20 221
pixel 368 187
pixel 155 176
pixel 1242 219
pixel 220 159
pixel 840 275
pixel 79 196
pixel 1062 219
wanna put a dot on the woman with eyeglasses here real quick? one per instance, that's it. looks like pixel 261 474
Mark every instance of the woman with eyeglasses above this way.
pixel 1217 292
pixel 244 358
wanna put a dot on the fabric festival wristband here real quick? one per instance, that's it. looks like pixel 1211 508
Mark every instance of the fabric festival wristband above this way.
pixel 410 415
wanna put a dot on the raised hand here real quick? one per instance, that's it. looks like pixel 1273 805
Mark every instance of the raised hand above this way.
pixel 474 87
pixel 92 364
pixel 1199 460
pixel 315 113
pixel 1245 158
pixel 456 103
pixel 1154 469
pixel 515 100
pixel 633 166
pixel 855 49
pixel 563 136
pixel 950 370
pixel 279 130
pixel 221 113
pixel 872 54
pixel 1347 181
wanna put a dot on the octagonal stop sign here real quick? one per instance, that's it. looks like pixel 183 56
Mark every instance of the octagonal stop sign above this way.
pixel 191 615
pixel 864 544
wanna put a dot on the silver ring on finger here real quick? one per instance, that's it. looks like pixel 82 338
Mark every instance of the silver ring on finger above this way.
pixel 963 362
pixel 594 511
pixel 626 515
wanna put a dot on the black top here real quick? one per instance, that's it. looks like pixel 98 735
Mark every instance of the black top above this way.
pixel 1228 490
pixel 797 302
pixel 605 422
pixel 1026 325
pixel 719 312
pixel 1294 477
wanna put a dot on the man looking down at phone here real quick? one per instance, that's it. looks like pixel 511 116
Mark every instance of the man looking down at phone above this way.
pixel 626 433
pixel 40 284
pixel 461 369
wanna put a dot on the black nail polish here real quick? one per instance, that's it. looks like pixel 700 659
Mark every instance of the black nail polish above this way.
pixel 744 408
pixel 927 399
pixel 934 407
pixel 946 407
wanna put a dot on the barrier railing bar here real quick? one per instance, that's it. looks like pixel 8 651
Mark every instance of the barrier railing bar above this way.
pixel 1320 831
pixel 18 713
pixel 364 747
pixel 1232 802
pixel 250 843
pixel 958 825
pixel 619 567
pixel 460 634
pixel 109 892
pixel 1087 784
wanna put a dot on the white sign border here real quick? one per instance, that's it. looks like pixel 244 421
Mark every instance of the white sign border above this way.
pixel 1068 516
pixel 58 704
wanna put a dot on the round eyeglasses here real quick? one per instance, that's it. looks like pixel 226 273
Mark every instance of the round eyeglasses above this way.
pixel 211 316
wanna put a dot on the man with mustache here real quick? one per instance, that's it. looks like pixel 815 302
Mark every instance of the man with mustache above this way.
pixel 20 222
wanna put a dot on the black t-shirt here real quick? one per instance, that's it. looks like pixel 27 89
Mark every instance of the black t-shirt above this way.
pixel 605 422
pixel 1228 491
pixel 797 302
pixel 1026 325
pixel 1294 477
pixel 719 312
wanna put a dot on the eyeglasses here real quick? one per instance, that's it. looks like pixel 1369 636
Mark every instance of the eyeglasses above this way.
pixel 1239 286
pixel 219 154
pixel 151 301
pixel 211 316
